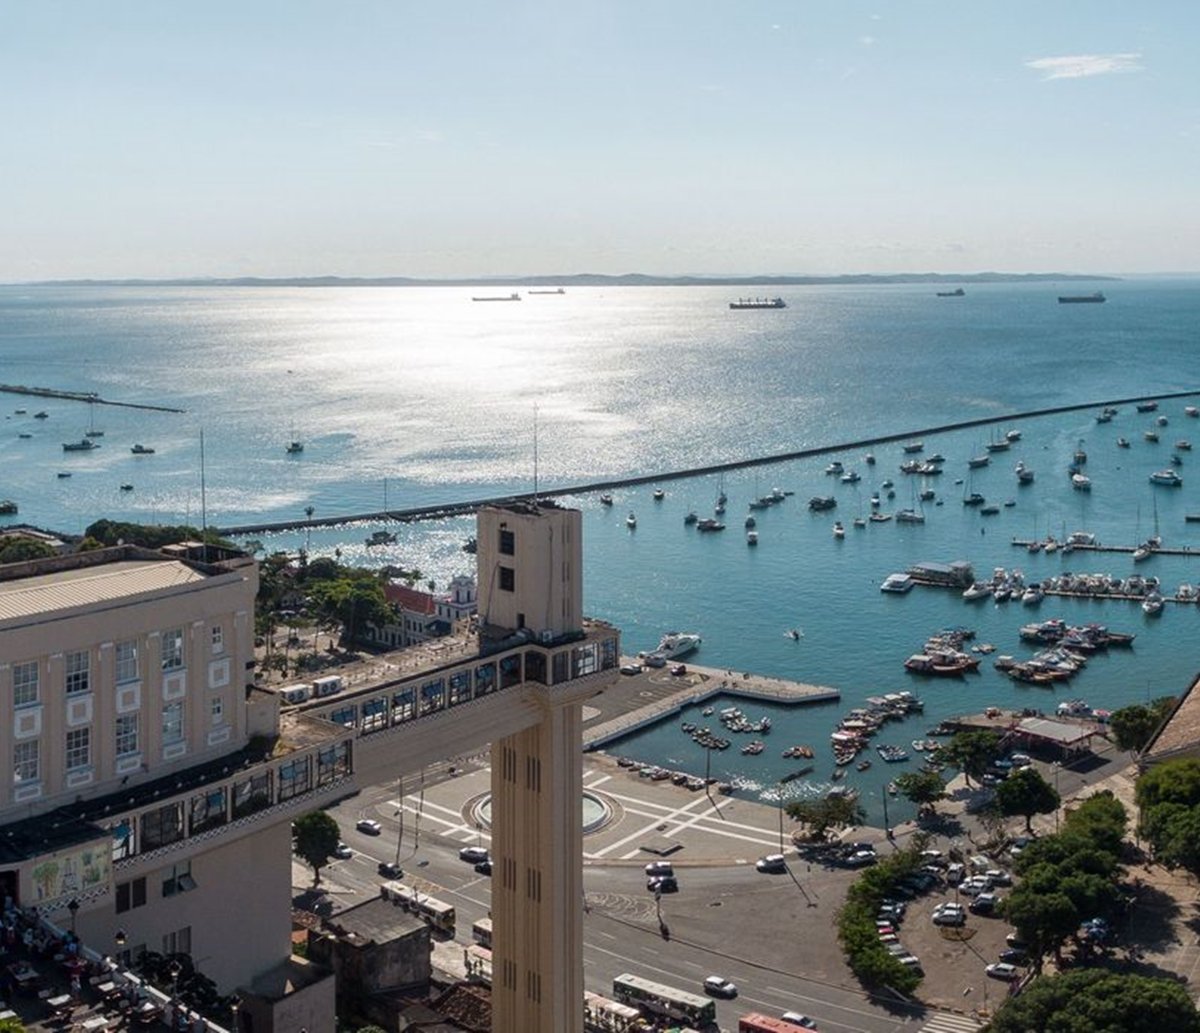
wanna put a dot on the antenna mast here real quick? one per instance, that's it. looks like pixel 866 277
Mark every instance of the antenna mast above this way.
pixel 203 502
pixel 535 454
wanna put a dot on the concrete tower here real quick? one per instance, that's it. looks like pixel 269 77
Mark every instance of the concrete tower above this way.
pixel 530 587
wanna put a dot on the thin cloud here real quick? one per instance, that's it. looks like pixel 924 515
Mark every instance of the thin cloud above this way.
pixel 1080 66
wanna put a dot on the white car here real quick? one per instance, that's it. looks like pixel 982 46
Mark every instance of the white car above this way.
pixel 631 668
pixel 771 863
pixel 797 1019
pixel 473 854
pixel 369 825
pixel 341 851
pixel 656 869
pixel 1003 970
pixel 975 884
pixel 719 986
pixel 952 914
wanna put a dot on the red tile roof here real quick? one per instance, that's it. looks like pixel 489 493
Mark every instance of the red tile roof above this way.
pixel 410 599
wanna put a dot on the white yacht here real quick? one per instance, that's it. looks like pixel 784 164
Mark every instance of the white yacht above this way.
pixel 898 583
pixel 1168 477
pixel 676 644
pixel 1081 482
pixel 751 537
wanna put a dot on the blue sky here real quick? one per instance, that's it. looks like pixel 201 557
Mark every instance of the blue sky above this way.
pixel 661 136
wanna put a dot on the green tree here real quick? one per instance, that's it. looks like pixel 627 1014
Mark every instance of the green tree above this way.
pixel 1133 726
pixel 826 813
pixel 1025 792
pixel 1176 781
pixel 971 752
pixel 316 838
pixel 351 603
pixel 924 788
pixel 1098 1001
pixel 11 1026
pixel 1173 832
pixel 1043 919
pixel 18 550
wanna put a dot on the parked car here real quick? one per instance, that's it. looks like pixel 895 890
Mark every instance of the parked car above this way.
pixel 1014 956
pixel 860 859
pixel 1003 970
pixel 484 867
pixel 1018 845
pixel 1015 942
pixel 473 854
pixel 999 877
pixel 719 986
pixel 369 825
pixel 949 914
pixel 909 960
pixel 631 668
pixel 662 884
pixel 955 872
pixel 974 885
pixel 1021 760
pixel 655 868
pixel 342 851
pixel 771 863
pixel 654 660
pixel 390 870
pixel 678 669
pixel 798 1019
pixel 984 904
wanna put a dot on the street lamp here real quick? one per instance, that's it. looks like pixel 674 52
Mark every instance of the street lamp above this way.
pixel 235 1006
pixel 173 970
pixel 73 907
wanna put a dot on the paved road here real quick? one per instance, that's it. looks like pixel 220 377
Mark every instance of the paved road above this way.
pixel 772 935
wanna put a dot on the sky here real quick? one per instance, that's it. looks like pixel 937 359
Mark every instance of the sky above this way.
pixel 157 138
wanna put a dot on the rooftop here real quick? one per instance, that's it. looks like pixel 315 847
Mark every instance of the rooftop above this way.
pixel 1181 730
pixel 42 594
pixel 373 921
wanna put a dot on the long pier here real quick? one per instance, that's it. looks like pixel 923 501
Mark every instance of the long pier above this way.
pixel 82 396
pixel 466 508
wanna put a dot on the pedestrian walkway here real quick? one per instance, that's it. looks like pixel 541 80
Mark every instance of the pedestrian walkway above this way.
pixel 946 1022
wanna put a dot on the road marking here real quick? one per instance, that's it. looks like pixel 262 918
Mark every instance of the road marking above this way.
pixel 945 1022
pixel 599 782
pixel 643 831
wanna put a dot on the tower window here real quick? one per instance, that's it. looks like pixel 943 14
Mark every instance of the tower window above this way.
pixel 508 543
pixel 508 579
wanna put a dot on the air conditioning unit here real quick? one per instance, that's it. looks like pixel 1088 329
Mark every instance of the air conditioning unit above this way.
pixel 547 636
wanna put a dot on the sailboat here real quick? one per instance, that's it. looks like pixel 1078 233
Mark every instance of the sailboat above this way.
pixel 295 446
pixel 915 513
pixel 92 432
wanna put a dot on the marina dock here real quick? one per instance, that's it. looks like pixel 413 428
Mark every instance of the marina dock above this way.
pixel 697 686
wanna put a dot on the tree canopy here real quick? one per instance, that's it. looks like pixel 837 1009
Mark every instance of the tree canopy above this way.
pixel 1133 726
pixel 316 838
pixel 971 752
pixel 150 536
pixel 1025 792
pixel 351 602
pixel 1168 797
pixel 826 813
pixel 1098 1001
pixel 924 788
pixel 17 549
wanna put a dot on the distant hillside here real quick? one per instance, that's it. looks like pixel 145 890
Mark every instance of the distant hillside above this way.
pixel 580 280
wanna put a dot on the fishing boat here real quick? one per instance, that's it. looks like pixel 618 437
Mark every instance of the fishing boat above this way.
pixel 294 447
pixel 1123 443
pixel 606 499
pixel 838 530
pixel 975 462
pixel 127 487
pixel 631 521
pixel 752 537
pixel 83 445
pixel 380 538
pixel 142 450
pixel 7 507
pixel 1082 299
pixel 691 518
pixel 913 447
pixel 1167 477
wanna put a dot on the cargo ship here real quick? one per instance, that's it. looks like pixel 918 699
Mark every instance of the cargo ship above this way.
pixel 1081 299
pixel 758 303
pixel 957 293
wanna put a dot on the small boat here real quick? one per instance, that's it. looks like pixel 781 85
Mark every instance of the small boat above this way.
pixel 1152 605
pixel 24 435
pixel 7 507
pixel 897 583
pixel 975 462
pixel 294 447
pixel 380 538
pixel 869 459
pixel 691 518
pixel 958 292
pixel 1183 445
pixel 1147 406
pixel 606 500
pixel 707 711
pixel 1024 474
pixel 794 634
pixel 892 789
pixel 1012 435
pixel 83 445
pixel 751 537
pixel 861 522
pixel 141 450
pixel 127 487
pixel 1150 435
pixel 838 530
pixel 659 494
pixel 20 412
pixel 708 524
pixel 880 518
pixel 1162 421
pixel 514 296
pixel 41 415
pixel 974 499
pixel 835 469
pixel 1168 477
pixel 853 477
pixel 862 765
pixel 909 516
pixel 1081 482
pixel 1123 443
pixel 631 521
pixel 989 510
pixel 914 447
pixel 63 474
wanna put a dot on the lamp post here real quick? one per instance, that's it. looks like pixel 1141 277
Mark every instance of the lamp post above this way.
pixel 235 1006
pixel 73 907
pixel 173 970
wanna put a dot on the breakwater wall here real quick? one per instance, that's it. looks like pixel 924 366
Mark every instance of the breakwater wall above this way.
pixel 81 396
pixel 466 508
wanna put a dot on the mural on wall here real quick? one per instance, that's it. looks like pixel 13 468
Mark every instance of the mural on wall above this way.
pixel 68 875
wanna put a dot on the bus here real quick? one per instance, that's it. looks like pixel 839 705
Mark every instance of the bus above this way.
pixel 602 1015
pixel 664 1000
pixel 437 913
pixel 481 933
pixel 478 963
pixel 756 1023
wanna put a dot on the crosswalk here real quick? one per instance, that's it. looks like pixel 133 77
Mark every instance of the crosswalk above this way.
pixel 945 1022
